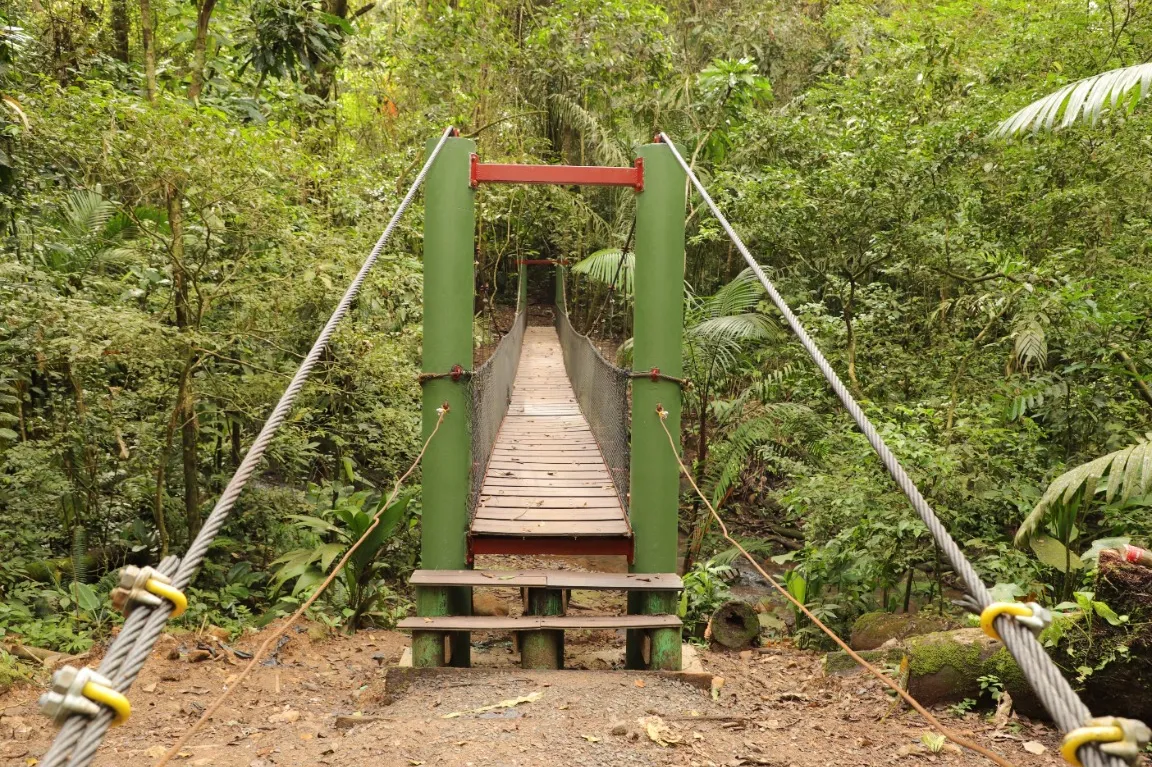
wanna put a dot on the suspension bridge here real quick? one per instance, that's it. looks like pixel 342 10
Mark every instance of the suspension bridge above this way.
pixel 547 449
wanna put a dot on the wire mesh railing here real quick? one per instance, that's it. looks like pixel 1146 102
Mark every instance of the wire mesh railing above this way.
pixel 602 391
pixel 490 392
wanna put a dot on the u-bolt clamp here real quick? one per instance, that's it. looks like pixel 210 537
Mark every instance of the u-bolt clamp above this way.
pixel 145 585
pixel 82 691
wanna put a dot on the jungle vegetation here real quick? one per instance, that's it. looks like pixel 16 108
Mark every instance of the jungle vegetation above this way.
pixel 187 187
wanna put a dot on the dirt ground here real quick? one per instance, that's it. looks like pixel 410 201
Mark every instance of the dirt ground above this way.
pixel 324 700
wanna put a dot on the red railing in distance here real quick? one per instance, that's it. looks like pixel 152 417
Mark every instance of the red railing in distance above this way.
pixel 577 175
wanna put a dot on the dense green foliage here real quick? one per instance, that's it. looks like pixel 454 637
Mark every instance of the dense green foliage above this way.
pixel 186 189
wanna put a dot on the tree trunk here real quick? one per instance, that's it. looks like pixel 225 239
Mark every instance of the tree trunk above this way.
pixel 189 431
pixel 147 30
pixel 200 48
pixel 849 316
pixel 120 30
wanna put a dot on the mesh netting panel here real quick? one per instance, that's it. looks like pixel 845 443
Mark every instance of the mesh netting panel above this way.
pixel 490 392
pixel 602 391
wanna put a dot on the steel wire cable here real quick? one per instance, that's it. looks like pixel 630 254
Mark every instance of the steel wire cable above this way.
pixel 151 625
pixel 602 391
pixel 489 395
pixel 1042 673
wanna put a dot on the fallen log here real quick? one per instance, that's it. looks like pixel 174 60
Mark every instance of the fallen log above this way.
pixel 735 625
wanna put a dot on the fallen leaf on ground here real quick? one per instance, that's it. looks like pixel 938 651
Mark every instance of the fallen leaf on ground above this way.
pixel 590 738
pixel 1034 747
pixel 531 697
pixel 639 682
pixel 717 683
pixel 658 731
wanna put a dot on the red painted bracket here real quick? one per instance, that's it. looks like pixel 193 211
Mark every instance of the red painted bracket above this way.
pixel 578 175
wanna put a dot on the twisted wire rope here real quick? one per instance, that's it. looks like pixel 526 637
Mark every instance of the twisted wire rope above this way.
pixel 1042 673
pixel 139 635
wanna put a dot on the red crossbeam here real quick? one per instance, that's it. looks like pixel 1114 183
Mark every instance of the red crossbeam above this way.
pixel 579 175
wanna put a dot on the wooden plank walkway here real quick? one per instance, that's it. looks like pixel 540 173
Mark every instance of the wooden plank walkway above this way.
pixel 546 478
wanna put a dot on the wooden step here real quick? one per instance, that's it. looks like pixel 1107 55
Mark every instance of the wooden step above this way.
pixel 549 579
pixel 537 622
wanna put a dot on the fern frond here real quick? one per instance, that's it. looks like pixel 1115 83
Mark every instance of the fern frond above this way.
pixel 1083 101
pixel 753 546
pixel 1128 472
pixel 79 554
pixel 1031 343
pixel 579 119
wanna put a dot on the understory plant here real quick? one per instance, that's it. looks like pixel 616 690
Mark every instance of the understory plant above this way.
pixel 360 595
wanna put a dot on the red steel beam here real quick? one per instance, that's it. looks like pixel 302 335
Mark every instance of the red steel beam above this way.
pixel 550 546
pixel 579 175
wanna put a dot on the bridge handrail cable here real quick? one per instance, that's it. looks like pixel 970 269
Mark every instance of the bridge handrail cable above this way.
pixel 1042 673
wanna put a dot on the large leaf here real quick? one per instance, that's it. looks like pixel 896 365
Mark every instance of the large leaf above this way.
pixel 1054 554
pixel 1082 100
pixel 605 267
pixel 1128 472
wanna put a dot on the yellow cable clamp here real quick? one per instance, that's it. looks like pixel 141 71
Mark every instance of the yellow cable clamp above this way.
pixel 83 691
pixel 144 585
pixel 1031 615
pixel 1122 738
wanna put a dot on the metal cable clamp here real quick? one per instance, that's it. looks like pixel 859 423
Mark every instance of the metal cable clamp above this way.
pixel 1123 738
pixel 82 691
pixel 1030 615
pixel 145 585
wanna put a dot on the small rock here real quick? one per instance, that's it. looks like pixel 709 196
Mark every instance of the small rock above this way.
pixel 198 655
pixel 619 728
pixel 284 717
pixel 633 735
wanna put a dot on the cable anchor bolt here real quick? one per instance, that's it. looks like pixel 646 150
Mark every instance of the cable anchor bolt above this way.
pixel 82 691
pixel 1122 738
pixel 1030 615
pixel 147 586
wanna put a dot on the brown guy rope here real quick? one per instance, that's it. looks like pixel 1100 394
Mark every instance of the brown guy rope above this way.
pixel 884 678
pixel 264 647
pixel 80 736
pixel 1042 673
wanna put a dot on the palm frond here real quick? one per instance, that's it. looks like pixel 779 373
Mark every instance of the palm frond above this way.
pixel 1083 100
pixel 734 327
pixel 579 119
pixel 604 266
pixel 740 295
pixel 85 214
pixel 1128 472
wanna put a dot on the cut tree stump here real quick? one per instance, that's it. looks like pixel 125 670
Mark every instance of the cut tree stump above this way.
pixel 1120 682
pixel 735 625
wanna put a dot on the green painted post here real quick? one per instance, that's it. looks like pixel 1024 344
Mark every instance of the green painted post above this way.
pixel 543 649
pixel 522 288
pixel 658 327
pixel 449 226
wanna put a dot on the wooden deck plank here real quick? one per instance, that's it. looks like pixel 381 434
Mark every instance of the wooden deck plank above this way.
pixel 536 622
pixel 546 477
pixel 554 579
pixel 567 528
pixel 530 514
